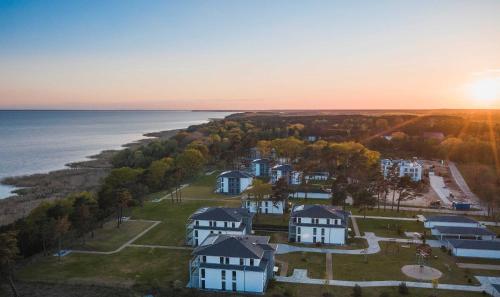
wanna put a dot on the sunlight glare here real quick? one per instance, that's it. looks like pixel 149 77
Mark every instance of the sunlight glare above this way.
pixel 485 91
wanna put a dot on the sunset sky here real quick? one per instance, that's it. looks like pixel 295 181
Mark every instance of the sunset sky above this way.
pixel 249 54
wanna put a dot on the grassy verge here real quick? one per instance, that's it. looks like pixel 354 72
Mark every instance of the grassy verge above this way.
pixel 276 237
pixel 297 290
pixel 129 267
pixel 392 258
pixel 174 216
pixel 268 219
pixel 313 262
pixel 110 238
pixel 389 228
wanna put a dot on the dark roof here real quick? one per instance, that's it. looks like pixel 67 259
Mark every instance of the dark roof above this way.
pixel 238 246
pixel 319 211
pixel 262 266
pixel 221 214
pixel 464 230
pixel 450 219
pixel 235 174
pixel 261 161
pixel 283 167
pixel 475 244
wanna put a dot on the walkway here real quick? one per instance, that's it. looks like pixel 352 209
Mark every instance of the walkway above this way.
pixel 329 266
pixel 384 218
pixel 462 184
pixel 168 196
pixel 300 276
pixel 479 266
pixel 355 226
pixel 438 185
pixel 126 244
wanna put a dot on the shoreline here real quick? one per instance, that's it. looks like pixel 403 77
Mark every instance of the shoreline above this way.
pixel 33 189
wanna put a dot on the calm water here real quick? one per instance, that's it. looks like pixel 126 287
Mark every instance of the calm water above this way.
pixel 41 141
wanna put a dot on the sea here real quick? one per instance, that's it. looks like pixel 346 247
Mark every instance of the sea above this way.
pixel 39 141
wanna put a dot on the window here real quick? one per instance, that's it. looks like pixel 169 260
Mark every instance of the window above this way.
pixel 223 275
pixel 225 224
pixel 242 261
pixel 267 204
pixel 221 260
pixel 314 239
pixel 220 232
pixel 203 284
pixel 196 242
pixel 322 239
pixel 322 231
pixel 195 233
pixel 251 262
pixel 234 276
pixel 328 221
pixel 233 225
pixel 223 285
pixel 197 223
pixel 314 231
pixel 234 287
pixel 204 259
pixel 202 273
pixel 211 231
pixel 298 230
pixel 298 238
pixel 300 220
pixel 227 261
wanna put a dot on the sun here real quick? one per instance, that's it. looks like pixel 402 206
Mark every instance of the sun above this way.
pixel 485 91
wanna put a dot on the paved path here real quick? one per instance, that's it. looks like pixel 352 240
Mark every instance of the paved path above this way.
pixel 446 211
pixel 479 266
pixel 384 218
pixel 169 195
pixel 300 276
pixel 329 266
pixel 167 247
pixel 438 185
pixel 284 267
pixel 355 226
pixel 462 184
pixel 126 244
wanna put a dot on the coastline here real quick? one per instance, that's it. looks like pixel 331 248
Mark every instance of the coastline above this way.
pixel 79 176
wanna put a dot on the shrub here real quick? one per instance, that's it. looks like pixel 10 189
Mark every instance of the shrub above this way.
pixel 384 294
pixel 356 291
pixel 403 289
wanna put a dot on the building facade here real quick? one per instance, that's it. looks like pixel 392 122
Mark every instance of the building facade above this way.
pixel 450 221
pixel 410 168
pixel 266 206
pixel 233 182
pixel 261 167
pixel 318 224
pixel 489 249
pixel 281 171
pixel 217 220
pixel 475 233
pixel 232 263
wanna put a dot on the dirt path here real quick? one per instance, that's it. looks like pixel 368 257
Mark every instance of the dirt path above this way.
pixel 329 266
pixel 284 267
pixel 355 226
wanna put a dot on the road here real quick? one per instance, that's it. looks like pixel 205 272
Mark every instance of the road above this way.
pixel 462 184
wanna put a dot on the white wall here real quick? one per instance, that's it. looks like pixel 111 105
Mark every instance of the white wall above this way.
pixel 490 254
pixel 246 281
pixel 449 224
pixel 245 183
pixel 435 232
pixel 203 234
pixel 271 208
pixel 332 235
pixel 311 195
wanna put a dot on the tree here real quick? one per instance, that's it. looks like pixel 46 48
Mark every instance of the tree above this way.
pixel 8 254
pixel 191 161
pixel 340 190
pixel 61 227
pixel 123 199
pixel 156 173
pixel 406 190
pixel 281 191
pixel 84 214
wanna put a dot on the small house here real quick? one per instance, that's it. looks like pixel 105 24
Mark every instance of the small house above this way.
pixel 314 223
pixel 261 167
pixel 233 182
pixel 232 263
pixel 446 232
pixel 489 249
pixel 217 220
pixel 265 206
pixel 450 221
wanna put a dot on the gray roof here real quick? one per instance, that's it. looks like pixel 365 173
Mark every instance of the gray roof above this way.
pixel 283 167
pixel 471 244
pixel 221 214
pixel 235 174
pixel 319 211
pixel 237 246
pixel 451 219
pixel 261 161
pixel 463 230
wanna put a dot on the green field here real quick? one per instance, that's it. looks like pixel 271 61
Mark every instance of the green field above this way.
pixel 389 228
pixel 387 264
pixel 110 238
pixel 174 216
pixel 313 262
pixel 128 267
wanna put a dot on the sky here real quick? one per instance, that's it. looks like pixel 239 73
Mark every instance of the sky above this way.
pixel 288 54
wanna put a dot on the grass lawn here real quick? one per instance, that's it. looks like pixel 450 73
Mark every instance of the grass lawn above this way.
pixel 389 228
pixel 268 219
pixel 172 229
pixel 203 187
pixel 276 237
pixel 130 266
pixel 313 262
pixel 299 290
pixel 110 238
pixel 387 264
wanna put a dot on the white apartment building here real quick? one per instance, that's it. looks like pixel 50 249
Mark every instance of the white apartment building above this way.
pixel 411 168
pixel 266 206
pixel 233 182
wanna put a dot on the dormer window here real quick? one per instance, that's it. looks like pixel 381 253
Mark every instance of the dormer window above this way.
pixel 242 262
pixel 233 225
pixel 225 224
pixel 251 262
pixel 221 260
